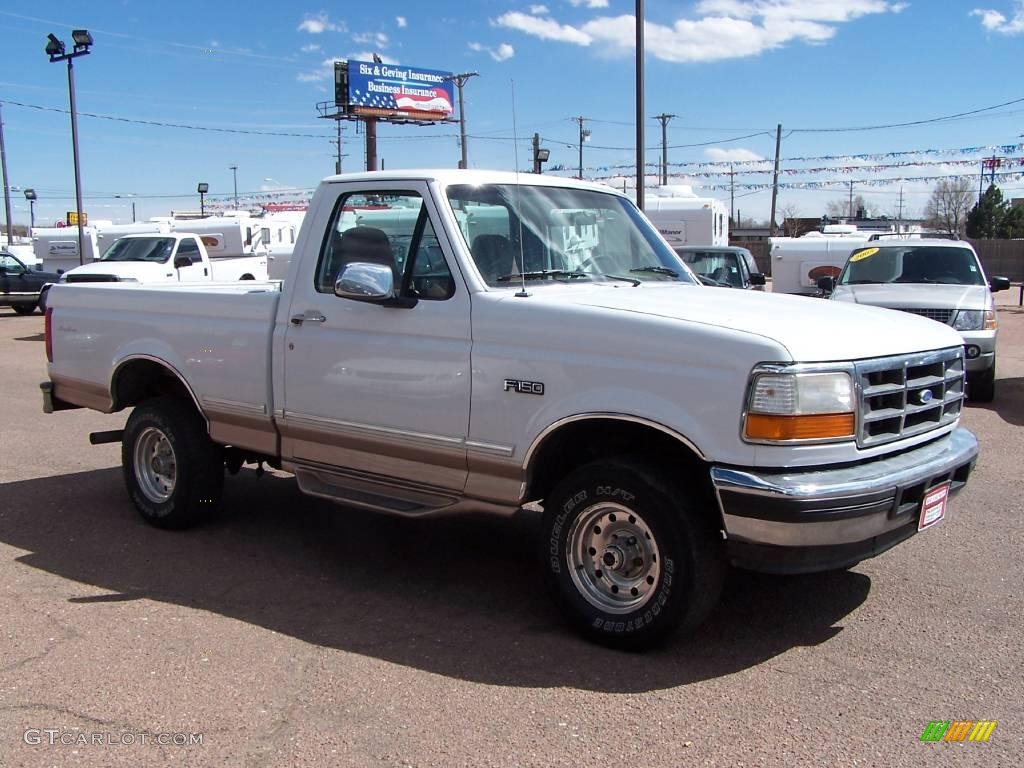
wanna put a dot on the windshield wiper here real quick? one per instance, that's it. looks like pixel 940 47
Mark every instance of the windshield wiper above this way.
pixel 632 280
pixel 657 270
pixel 541 274
pixel 860 282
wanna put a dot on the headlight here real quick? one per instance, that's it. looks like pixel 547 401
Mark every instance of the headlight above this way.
pixel 975 320
pixel 800 406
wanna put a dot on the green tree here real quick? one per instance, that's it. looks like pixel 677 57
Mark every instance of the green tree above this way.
pixel 985 221
pixel 1013 223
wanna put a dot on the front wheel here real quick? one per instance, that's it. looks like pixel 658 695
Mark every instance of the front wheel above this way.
pixel 173 471
pixel 629 557
pixel 981 386
pixel 24 309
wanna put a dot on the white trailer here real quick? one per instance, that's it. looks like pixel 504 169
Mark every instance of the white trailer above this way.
pixel 683 218
pixel 57 247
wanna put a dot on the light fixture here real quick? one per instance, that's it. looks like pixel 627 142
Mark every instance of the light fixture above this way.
pixel 30 194
pixel 54 47
pixel 82 38
pixel 203 188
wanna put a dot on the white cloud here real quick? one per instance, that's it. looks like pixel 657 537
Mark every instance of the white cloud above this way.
pixel 539 10
pixel 377 38
pixel 735 155
pixel 545 29
pixel 319 23
pixel 726 29
pixel 401 22
pixel 994 21
pixel 590 3
pixel 368 56
pixel 503 52
pixel 311 48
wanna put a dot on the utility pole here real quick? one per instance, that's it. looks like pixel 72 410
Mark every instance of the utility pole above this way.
pixel 234 175
pixel 460 80
pixel 540 156
pixel 641 164
pixel 663 118
pixel 899 213
pixel 337 162
pixel 584 135
pixel 775 177
pixel 732 194
pixel 851 199
pixel 7 187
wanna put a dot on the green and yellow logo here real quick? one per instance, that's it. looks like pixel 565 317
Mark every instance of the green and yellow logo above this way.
pixel 958 730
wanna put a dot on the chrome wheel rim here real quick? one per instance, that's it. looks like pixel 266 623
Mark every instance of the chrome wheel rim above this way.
pixel 613 558
pixel 156 469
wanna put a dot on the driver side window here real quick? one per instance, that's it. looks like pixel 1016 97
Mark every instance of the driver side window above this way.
pixel 390 228
pixel 11 265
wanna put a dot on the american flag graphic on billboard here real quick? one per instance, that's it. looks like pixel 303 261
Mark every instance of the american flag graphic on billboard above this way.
pixel 399 90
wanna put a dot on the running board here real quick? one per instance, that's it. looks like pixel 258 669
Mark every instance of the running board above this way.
pixel 359 491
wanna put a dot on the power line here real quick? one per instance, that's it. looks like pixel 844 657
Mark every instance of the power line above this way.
pixel 904 125
pixel 159 124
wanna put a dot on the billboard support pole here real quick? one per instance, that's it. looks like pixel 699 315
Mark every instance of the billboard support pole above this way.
pixel 371 143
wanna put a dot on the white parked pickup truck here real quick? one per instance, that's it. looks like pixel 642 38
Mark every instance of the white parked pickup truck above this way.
pixel 503 341
pixel 167 257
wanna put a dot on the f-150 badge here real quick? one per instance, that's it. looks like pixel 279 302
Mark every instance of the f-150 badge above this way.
pixel 524 387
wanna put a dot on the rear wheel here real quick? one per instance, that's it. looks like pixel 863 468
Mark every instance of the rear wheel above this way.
pixel 24 309
pixel 981 386
pixel 173 471
pixel 629 557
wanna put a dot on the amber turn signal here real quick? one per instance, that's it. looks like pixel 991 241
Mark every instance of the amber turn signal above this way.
pixel 811 427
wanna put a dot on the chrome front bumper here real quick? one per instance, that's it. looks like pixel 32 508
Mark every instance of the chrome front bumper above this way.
pixel 790 521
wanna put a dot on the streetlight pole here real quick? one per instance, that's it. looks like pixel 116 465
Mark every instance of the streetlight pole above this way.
pixel 460 80
pixel 7 187
pixel 30 195
pixel 640 104
pixel 234 175
pixel 202 188
pixel 56 51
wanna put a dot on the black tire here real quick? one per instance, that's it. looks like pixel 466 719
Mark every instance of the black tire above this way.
pixel 981 386
pixel 168 427
pixel 666 521
pixel 24 309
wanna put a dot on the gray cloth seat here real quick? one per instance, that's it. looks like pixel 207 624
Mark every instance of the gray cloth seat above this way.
pixel 494 257
pixel 367 245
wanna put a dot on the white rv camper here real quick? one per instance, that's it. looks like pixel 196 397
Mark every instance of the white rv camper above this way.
pixel 683 218
pixel 57 247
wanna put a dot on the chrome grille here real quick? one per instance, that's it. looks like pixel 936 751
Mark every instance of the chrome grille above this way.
pixel 908 395
pixel 941 315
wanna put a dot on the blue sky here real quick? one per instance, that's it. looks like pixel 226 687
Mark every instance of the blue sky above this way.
pixel 727 68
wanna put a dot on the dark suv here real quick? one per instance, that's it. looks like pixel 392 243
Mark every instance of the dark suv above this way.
pixel 19 285
pixel 723 266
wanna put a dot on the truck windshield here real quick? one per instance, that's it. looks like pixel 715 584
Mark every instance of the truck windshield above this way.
pixel 561 235
pixel 720 266
pixel 912 264
pixel 155 249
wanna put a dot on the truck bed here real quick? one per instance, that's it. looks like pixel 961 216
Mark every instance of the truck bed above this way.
pixel 215 336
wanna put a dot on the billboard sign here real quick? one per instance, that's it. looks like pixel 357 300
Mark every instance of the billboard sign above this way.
pixel 394 91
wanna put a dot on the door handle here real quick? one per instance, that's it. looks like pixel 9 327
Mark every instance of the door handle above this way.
pixel 309 316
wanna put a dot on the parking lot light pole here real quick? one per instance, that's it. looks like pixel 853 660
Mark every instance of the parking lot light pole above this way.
pixel 202 188
pixel 234 176
pixel 56 51
pixel 30 195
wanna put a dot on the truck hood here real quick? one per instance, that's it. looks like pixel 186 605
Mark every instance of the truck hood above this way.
pixel 811 330
pixel 144 272
pixel 916 296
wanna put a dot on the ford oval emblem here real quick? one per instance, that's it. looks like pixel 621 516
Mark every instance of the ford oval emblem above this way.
pixel 925 396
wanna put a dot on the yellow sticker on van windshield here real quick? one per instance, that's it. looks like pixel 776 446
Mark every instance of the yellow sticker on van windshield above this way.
pixel 863 254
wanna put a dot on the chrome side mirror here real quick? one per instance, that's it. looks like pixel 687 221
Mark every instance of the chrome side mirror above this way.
pixel 363 281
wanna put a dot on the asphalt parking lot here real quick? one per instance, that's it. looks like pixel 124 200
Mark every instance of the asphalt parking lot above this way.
pixel 292 632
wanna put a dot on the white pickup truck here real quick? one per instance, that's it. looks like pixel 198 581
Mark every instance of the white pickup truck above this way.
pixel 505 341
pixel 165 257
